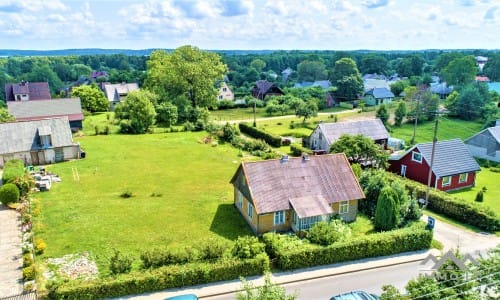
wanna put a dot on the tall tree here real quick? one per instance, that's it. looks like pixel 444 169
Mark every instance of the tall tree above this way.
pixel 492 67
pixel 444 59
pixel 383 113
pixel 258 64
pixel 91 97
pixel 373 63
pixel 136 112
pixel 400 113
pixel 472 102
pixel 42 72
pixel 411 65
pixel 311 70
pixel 359 148
pixel 460 71
pixel 186 74
pixel 307 110
pixel 387 211
pixel 345 76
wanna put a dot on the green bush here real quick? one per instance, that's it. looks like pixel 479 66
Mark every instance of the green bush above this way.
pixel 27 260
pixel 325 234
pixel 272 140
pixel 298 149
pixel 119 263
pixel 212 249
pixel 461 210
pixel 412 238
pixel 346 105
pixel 480 196
pixel 9 193
pixel 247 247
pixel 12 169
pixel 29 273
pixel 159 279
pixel 158 257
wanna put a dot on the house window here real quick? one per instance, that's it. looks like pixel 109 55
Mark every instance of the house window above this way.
pixel 446 181
pixel 239 200
pixel 279 217
pixel 416 156
pixel 344 207
pixel 220 97
pixel 462 177
pixel 250 210
pixel 224 89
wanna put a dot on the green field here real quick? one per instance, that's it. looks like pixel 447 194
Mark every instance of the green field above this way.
pixel 181 195
pixel 490 180
pixel 447 129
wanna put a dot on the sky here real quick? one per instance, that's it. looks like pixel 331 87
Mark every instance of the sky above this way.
pixel 250 24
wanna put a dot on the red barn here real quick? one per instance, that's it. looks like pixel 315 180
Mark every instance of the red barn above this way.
pixel 453 168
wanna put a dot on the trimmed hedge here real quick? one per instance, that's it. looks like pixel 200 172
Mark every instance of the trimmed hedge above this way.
pixel 412 238
pixel 272 140
pixel 458 209
pixel 159 279
pixel 9 193
pixel 298 149
pixel 12 169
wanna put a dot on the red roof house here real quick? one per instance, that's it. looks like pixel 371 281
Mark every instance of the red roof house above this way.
pixel 453 167
pixel 26 91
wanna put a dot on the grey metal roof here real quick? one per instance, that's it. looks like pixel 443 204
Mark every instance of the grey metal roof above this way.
pixel 310 206
pixel 23 136
pixel 373 128
pixel 379 93
pixel 495 132
pixel 42 109
pixel 114 91
pixel 451 157
pixel 273 183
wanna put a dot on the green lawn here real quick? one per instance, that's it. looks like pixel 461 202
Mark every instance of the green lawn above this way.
pixel 237 114
pixel 490 180
pixel 447 129
pixel 191 178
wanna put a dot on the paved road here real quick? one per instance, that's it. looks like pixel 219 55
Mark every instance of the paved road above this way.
pixel 370 281
pixel 10 253
pixel 467 241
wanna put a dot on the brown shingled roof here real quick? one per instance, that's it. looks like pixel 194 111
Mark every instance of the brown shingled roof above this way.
pixel 35 90
pixel 273 183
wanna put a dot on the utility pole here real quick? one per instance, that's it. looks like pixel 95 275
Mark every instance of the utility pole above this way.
pixel 434 141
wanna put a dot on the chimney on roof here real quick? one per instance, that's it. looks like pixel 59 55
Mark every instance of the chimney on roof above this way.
pixel 284 159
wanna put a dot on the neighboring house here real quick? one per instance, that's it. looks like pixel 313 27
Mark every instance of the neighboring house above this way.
pixel 378 96
pixel 96 74
pixel 441 89
pixel 295 193
pixel 481 61
pixel 37 142
pixel 285 74
pixel 324 84
pixel 325 134
pixel 482 79
pixel 27 91
pixel 330 100
pixel 374 76
pixel 453 167
pixel 225 93
pixel 117 92
pixel 375 83
pixel 486 144
pixel 264 88
pixel 43 109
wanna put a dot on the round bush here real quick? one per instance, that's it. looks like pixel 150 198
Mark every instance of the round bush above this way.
pixel 9 193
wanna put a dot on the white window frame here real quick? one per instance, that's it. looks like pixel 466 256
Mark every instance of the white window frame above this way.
pixel 465 179
pixel 239 201
pixel 250 210
pixel 413 156
pixel 446 184
pixel 279 217
pixel 343 207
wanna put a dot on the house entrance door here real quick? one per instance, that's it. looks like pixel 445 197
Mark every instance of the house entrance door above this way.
pixel 41 158
pixel 34 158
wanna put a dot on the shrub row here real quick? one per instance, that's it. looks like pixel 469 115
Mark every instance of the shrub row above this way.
pixel 272 140
pixel 12 169
pixel 158 279
pixel 298 149
pixel 458 209
pixel 412 238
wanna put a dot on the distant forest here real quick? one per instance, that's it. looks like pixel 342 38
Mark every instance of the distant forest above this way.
pixel 63 68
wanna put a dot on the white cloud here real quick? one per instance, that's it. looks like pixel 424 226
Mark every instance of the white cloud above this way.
pixel 490 15
pixel 375 3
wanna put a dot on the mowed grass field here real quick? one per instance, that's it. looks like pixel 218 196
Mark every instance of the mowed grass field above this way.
pixel 181 194
pixel 490 180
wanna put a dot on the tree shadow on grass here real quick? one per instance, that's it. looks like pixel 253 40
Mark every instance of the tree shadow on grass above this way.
pixel 228 223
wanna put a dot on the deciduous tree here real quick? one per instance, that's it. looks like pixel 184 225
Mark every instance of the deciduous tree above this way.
pixel 136 112
pixel 345 76
pixel 307 110
pixel 400 113
pixel 91 97
pixel 460 71
pixel 359 148
pixel 383 113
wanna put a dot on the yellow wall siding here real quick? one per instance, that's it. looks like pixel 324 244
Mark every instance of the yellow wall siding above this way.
pixel 266 223
pixel 352 212
pixel 244 211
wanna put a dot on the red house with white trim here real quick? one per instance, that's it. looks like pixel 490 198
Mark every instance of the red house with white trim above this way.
pixel 453 167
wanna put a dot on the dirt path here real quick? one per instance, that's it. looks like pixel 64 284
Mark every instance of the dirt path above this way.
pixel 10 253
